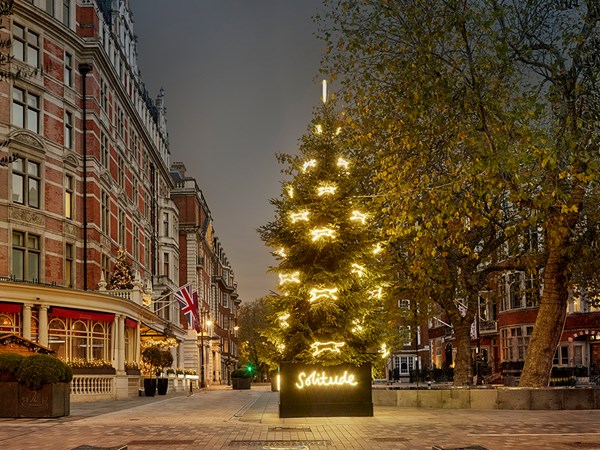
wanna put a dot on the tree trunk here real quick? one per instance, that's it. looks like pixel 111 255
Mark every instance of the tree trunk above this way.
pixel 549 323
pixel 463 372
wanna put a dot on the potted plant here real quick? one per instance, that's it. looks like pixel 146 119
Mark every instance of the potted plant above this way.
pixel 241 378
pixel 166 361
pixel 153 357
pixel 132 368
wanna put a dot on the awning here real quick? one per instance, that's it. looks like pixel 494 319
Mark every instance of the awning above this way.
pixel 130 323
pixel 10 307
pixel 151 330
pixel 83 315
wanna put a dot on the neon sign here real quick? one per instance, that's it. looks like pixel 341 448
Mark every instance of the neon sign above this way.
pixel 323 379
pixel 320 347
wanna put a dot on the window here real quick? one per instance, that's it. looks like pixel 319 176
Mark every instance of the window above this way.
pixel 514 342
pixel 404 364
pixel 50 7
pixel 166 264
pixel 80 338
pixel 69 198
pixel 105 263
pixel 136 242
pixel 26 256
pixel 67 12
pixel 166 224
pixel 105 213
pixel 26 45
pixel 122 228
pixel 135 193
pixel 121 172
pixel 26 183
pixel 561 356
pixel 26 110
pixel 103 95
pixel 104 152
pixel 68 75
pixel 69 265
pixel 120 121
pixel 68 129
pixel 404 304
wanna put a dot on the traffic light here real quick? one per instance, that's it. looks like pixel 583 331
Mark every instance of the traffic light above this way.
pixel 249 368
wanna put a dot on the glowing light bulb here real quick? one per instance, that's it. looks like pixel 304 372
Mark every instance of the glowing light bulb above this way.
pixel 358 327
pixel 378 249
pixel 358 269
pixel 295 217
pixel 318 129
pixel 338 131
pixel 341 162
pixel 283 320
pixel 359 217
pixel 320 233
pixel 281 252
pixel 331 346
pixel 307 164
pixel 324 87
pixel 290 191
pixel 316 294
pixel 326 190
pixel 289 278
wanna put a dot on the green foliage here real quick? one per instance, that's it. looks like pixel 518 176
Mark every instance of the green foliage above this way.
pixel 166 359
pixel 241 373
pixel 9 364
pixel 37 370
pixel 153 356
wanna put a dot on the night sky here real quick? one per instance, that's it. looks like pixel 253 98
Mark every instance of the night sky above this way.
pixel 241 79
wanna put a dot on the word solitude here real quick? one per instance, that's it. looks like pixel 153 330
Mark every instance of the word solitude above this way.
pixel 323 379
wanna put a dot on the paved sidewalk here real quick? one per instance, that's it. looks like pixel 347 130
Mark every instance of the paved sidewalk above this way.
pixel 221 418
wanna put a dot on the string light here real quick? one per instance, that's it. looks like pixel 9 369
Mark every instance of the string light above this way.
pixel 289 278
pixel 341 162
pixel 318 129
pixel 358 269
pixel 320 233
pixel 359 217
pixel 281 252
pixel 290 191
pixel 376 293
pixel 307 164
pixel 331 346
pixel 316 294
pixel 295 217
pixel 358 327
pixel 327 189
pixel 377 249
pixel 283 320
pixel 324 87
pixel 385 352
pixel 338 131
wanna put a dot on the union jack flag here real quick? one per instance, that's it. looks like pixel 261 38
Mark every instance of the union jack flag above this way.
pixel 189 305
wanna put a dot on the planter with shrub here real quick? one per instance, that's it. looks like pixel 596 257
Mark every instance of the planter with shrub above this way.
pixel 40 386
pixel 241 379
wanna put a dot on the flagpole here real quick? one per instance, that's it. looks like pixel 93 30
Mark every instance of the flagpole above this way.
pixel 166 295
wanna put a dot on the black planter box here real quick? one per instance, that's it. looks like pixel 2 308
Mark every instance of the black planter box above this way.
pixel 240 383
pixel 325 391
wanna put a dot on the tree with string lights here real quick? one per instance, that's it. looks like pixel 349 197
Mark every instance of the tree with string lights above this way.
pixel 329 309
pixel 122 277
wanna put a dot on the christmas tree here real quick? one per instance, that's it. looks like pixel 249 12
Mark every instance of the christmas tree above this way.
pixel 122 277
pixel 329 309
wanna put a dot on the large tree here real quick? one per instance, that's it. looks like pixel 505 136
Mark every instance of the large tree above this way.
pixel 478 119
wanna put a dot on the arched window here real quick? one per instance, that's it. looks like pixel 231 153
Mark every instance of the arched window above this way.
pixel 7 324
pixel 79 340
pixel 99 351
pixel 57 337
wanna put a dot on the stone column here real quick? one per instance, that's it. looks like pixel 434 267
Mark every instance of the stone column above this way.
pixel 27 321
pixel 43 325
pixel 120 322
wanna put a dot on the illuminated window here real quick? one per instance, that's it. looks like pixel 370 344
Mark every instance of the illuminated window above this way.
pixel 69 197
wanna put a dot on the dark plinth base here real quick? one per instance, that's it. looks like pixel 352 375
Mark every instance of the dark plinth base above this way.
pixel 332 391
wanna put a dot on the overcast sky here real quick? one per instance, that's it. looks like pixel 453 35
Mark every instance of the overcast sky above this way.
pixel 241 81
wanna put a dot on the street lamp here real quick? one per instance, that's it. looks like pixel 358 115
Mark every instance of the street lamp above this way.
pixel 208 324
